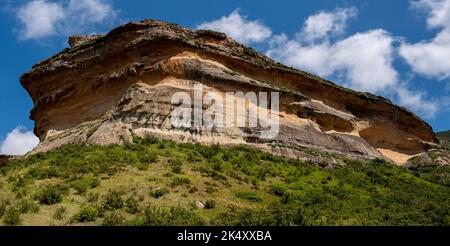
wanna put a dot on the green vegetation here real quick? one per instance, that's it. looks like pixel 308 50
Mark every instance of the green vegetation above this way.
pixel 156 182
pixel 132 206
pixel 439 174
pixel 85 183
pixel 27 206
pixel 59 213
pixel 158 193
pixel 250 196
pixel 177 216
pixel 177 181
pixel 431 167
pixel 11 216
pixel 3 205
pixel 176 166
pixel 113 200
pixel 444 137
pixel 210 204
pixel 50 195
pixel 113 219
pixel 86 214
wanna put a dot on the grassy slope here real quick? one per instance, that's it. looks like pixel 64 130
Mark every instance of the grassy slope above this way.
pixel 154 182
pixel 444 136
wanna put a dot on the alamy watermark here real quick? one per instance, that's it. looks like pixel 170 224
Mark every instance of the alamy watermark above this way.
pixel 213 110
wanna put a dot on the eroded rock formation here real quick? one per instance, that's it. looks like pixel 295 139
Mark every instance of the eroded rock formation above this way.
pixel 105 89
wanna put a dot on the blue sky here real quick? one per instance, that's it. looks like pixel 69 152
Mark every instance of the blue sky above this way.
pixel 398 49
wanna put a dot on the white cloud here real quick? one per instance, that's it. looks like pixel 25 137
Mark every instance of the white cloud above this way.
pixel 239 28
pixel 366 59
pixel 324 24
pixel 439 12
pixel 93 11
pixel 415 100
pixel 18 142
pixel 85 15
pixel 39 18
pixel 430 57
pixel 362 61
pixel 42 18
pixel 312 58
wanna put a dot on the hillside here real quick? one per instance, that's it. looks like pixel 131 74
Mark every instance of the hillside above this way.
pixel 444 136
pixel 111 151
pixel 159 182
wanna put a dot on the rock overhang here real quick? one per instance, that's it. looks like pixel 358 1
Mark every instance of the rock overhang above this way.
pixel 84 83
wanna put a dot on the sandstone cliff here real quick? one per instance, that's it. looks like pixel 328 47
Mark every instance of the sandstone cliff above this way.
pixel 105 89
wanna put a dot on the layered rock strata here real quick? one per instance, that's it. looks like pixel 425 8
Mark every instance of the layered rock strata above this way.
pixel 106 89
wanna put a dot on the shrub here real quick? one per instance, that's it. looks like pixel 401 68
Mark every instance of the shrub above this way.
pixel 59 213
pixel 177 181
pixel 86 214
pixel 175 166
pixel 49 196
pixel 161 145
pixel 277 189
pixel 216 164
pixel 43 172
pixel 92 196
pixel 168 174
pixel 193 189
pixel 20 193
pixel 254 181
pixel 179 216
pixel 210 190
pixel 158 193
pixel 239 217
pixel 113 200
pixel 148 157
pixel 19 184
pixel 287 197
pixel 174 216
pixel 113 219
pixel 86 182
pixel 208 151
pixel 3 205
pixel 193 156
pixel 250 196
pixel 26 206
pixel 210 204
pixel 227 155
pixel 11 216
pixel 275 214
pixel 154 216
pixel 149 140
pixel 132 205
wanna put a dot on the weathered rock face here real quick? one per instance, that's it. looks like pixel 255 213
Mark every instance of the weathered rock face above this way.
pixel 105 89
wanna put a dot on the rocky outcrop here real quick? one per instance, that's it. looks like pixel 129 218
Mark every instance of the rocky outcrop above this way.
pixel 106 89
pixel 81 39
